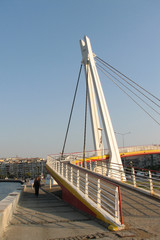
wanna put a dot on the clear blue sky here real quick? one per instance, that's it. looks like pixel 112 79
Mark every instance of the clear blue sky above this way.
pixel 39 63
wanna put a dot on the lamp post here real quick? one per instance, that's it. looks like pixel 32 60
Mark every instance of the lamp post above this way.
pixel 123 135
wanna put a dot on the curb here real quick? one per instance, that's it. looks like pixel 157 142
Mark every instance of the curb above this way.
pixel 7 207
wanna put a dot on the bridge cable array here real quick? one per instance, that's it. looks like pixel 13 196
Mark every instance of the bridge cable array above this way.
pixel 117 77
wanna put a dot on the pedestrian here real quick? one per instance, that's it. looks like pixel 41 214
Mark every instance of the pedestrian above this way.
pixel 36 185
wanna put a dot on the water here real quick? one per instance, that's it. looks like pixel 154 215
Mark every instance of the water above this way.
pixel 7 187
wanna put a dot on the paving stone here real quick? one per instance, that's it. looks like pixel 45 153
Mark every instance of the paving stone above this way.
pixel 47 217
pixel 124 234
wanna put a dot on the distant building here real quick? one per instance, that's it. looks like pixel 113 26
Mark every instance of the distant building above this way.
pixel 22 168
pixel 150 161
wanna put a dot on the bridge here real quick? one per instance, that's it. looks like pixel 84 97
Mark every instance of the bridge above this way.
pixel 97 182
pixel 91 180
pixel 49 217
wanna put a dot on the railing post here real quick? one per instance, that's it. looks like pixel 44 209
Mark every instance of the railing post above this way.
pixel 90 166
pixel 86 185
pixel 72 175
pixel 53 164
pixel 98 193
pixel 95 169
pixel 106 169
pixel 66 171
pixel 62 170
pixel 134 177
pixel 78 179
pixel 56 164
pixel 85 164
pixel 150 182
pixel 116 205
pixel 111 172
pixel 102 169
pixel 58 167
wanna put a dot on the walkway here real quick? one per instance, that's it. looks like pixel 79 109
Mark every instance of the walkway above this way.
pixel 141 212
pixel 48 218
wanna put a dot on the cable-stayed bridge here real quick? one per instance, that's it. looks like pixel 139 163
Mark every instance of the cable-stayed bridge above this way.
pixel 91 180
pixel 100 182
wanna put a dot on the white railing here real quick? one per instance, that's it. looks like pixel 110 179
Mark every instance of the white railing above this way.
pixel 103 195
pixel 143 179
pixel 147 180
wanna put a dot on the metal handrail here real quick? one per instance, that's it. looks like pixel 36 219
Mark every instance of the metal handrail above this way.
pixel 143 179
pixel 150 182
pixel 105 195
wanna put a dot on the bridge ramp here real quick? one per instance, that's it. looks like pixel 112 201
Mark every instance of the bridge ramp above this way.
pixel 48 217
pixel 141 212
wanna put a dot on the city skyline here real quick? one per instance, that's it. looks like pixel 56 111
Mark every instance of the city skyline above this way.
pixel 39 65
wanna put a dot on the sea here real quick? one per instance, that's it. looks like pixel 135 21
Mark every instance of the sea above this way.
pixel 8 187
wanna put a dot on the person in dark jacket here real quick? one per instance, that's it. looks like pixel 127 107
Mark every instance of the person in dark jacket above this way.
pixel 36 186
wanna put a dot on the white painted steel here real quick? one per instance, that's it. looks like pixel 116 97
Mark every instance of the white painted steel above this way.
pixel 149 181
pixel 100 195
pixel 97 134
pixel 94 86
pixel 149 184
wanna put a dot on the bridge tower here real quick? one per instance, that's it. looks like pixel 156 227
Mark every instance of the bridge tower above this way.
pixel 96 95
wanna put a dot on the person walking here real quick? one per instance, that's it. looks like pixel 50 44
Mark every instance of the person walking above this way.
pixel 36 185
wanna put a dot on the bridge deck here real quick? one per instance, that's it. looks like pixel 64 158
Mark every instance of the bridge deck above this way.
pixel 141 212
pixel 48 218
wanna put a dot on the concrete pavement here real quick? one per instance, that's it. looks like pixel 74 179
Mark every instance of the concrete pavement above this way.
pixel 141 212
pixel 48 218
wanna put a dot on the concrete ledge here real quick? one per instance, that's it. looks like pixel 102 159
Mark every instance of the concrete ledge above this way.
pixel 7 207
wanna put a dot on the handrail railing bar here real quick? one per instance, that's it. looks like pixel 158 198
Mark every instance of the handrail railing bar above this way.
pixel 108 206
pixel 141 184
pixel 108 210
pixel 90 188
pixel 92 173
pixel 108 200
pixel 93 183
pixel 93 180
pixel 93 197
pixel 105 187
pixel 110 194
pixel 111 191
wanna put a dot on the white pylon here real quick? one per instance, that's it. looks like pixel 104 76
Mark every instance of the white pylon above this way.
pixel 95 91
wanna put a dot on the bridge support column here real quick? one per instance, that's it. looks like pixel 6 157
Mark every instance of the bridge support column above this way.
pixel 96 95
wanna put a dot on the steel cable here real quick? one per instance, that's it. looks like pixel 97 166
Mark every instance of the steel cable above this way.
pixel 115 71
pixel 129 89
pixel 131 97
pixel 71 110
